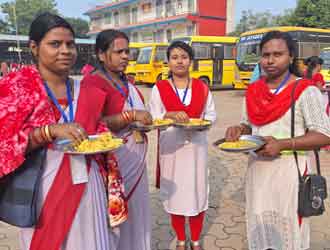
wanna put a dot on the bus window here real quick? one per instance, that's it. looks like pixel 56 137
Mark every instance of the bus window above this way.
pixel 202 50
pixel 229 51
pixel 160 55
pixel 308 49
pixel 144 56
pixel 133 54
pixel 325 55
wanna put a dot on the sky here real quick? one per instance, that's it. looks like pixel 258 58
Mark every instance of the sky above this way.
pixel 76 8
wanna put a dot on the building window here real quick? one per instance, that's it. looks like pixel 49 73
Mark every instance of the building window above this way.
pixel 180 5
pixel 169 10
pixel 191 5
pixel 168 35
pixel 159 36
pixel 107 18
pixel 159 8
pixel 146 8
pixel 134 15
pixel 190 30
pixel 116 18
pixel 135 37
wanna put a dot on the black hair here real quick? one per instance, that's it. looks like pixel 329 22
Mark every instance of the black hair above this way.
pixel 290 43
pixel 44 23
pixel 311 63
pixel 180 45
pixel 106 38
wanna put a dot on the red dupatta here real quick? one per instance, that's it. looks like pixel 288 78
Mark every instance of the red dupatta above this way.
pixel 115 103
pixel 172 102
pixel 264 107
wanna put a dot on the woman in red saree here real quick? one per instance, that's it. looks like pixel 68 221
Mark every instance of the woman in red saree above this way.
pixel 39 105
pixel 272 178
pixel 124 105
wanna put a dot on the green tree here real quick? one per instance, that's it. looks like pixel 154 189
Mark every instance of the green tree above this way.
pixel 79 25
pixel 250 21
pixel 314 13
pixel 3 26
pixel 26 11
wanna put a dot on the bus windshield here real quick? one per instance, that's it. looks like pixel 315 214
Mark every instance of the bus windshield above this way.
pixel 160 55
pixel 248 53
pixel 144 56
pixel 133 54
pixel 325 55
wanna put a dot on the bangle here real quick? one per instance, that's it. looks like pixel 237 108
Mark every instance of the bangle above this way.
pixel 43 134
pixel 125 116
pixel 293 144
pixel 49 137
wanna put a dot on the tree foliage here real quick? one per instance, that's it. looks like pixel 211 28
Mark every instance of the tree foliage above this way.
pixel 79 25
pixel 308 13
pixel 26 11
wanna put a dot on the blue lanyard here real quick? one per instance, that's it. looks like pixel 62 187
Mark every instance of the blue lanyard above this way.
pixel 119 88
pixel 184 94
pixel 58 106
pixel 282 83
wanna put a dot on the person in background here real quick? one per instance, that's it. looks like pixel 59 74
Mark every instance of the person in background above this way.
pixel 272 177
pixel 182 156
pixel 43 104
pixel 314 66
pixel 125 105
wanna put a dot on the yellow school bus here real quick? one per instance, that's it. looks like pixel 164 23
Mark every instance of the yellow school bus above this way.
pixel 150 62
pixel 325 55
pixel 214 60
pixel 310 42
pixel 134 50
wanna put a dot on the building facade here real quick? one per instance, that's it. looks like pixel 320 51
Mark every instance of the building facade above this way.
pixel 163 20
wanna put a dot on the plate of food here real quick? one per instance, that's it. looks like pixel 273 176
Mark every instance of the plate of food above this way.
pixel 246 143
pixel 194 124
pixel 157 124
pixel 94 144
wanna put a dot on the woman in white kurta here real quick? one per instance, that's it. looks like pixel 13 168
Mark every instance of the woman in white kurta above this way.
pixel 124 105
pixel 183 154
pixel 272 176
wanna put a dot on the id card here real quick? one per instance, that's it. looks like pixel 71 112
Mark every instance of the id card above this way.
pixel 138 137
pixel 79 171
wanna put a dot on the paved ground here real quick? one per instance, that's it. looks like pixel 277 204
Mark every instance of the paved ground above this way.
pixel 225 222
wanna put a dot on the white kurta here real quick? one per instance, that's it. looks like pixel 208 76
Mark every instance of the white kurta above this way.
pixel 89 229
pixel 184 184
pixel 272 183
pixel 135 233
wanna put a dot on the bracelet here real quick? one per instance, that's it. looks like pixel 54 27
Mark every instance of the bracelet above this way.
pixel 293 144
pixel 43 134
pixel 49 137
pixel 125 116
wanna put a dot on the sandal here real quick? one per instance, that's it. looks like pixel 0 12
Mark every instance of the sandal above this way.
pixel 195 245
pixel 180 245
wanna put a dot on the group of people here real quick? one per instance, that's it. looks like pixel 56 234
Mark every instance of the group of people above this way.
pixel 110 209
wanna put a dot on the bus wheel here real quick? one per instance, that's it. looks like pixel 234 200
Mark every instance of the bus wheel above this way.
pixel 205 80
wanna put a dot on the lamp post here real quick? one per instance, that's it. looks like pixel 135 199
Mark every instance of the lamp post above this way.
pixel 16 31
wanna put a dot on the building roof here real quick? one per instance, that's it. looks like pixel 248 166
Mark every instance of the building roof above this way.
pixel 110 6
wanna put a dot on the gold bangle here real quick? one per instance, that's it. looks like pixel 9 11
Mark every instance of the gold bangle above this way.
pixel 293 144
pixel 49 137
